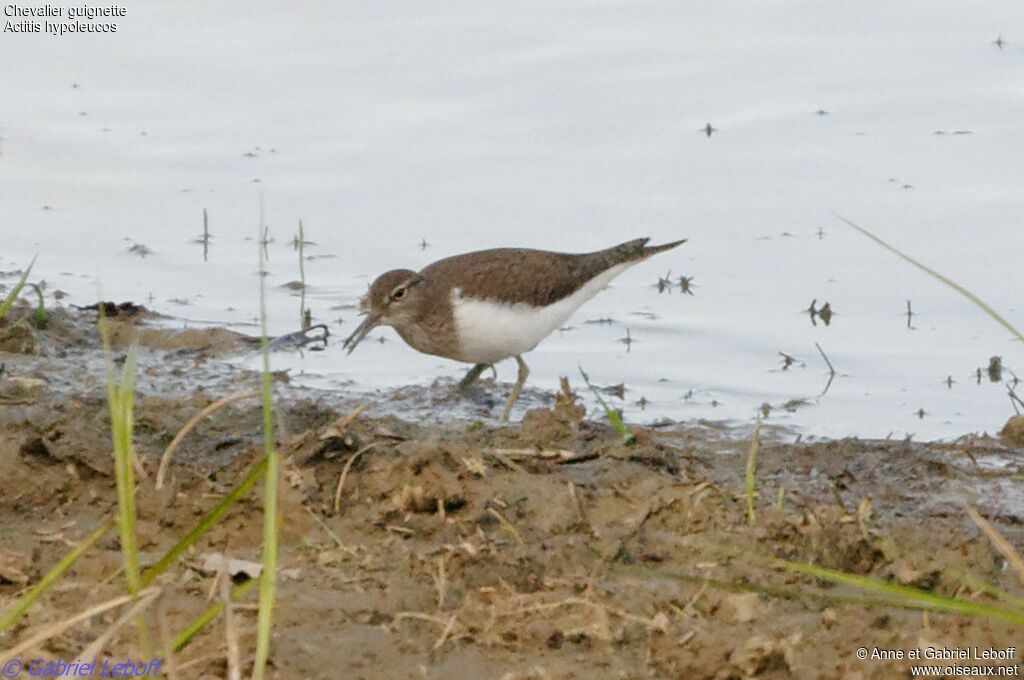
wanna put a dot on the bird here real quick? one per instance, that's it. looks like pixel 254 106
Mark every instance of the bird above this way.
pixel 489 305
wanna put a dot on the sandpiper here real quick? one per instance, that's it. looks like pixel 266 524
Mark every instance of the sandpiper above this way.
pixel 490 305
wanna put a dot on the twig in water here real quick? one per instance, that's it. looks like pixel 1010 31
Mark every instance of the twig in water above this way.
pixel 300 245
pixel 1014 399
pixel 206 236
pixel 831 371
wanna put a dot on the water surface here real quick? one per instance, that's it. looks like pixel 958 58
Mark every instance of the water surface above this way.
pixel 563 125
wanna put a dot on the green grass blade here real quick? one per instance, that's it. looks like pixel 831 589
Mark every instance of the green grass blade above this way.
pixel 5 306
pixel 750 485
pixel 745 586
pixel 121 398
pixel 614 417
pixel 205 524
pixel 268 581
pixel 185 637
pixel 975 583
pixel 906 596
pixel 52 576
pixel 41 308
pixel 949 282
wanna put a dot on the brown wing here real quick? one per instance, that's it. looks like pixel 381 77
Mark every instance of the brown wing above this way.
pixel 531 276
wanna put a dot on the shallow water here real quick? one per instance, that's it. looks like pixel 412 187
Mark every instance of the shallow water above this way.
pixel 563 126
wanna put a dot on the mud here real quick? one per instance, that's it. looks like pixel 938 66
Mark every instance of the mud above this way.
pixel 542 549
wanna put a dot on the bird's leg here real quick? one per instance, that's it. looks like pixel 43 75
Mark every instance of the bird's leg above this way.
pixel 517 389
pixel 471 377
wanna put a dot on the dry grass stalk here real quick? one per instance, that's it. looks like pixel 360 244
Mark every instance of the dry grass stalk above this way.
pixel 658 622
pixel 334 537
pixel 190 425
pixel 507 461
pixel 344 475
pixel 394 528
pixel 1008 552
pixel 97 645
pixel 750 485
pixel 200 660
pixel 420 616
pixel 56 629
pixel 448 627
pixel 447 624
pixel 575 500
pixel 230 627
pixel 508 526
pixel 167 644
pixel 441 582
pixel 561 455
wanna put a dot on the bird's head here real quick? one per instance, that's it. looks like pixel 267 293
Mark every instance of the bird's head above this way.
pixel 389 302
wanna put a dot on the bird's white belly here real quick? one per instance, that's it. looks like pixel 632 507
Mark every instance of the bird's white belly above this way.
pixel 490 331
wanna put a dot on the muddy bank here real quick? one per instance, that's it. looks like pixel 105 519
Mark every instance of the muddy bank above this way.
pixel 543 549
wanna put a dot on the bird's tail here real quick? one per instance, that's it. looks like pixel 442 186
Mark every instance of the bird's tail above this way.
pixel 637 249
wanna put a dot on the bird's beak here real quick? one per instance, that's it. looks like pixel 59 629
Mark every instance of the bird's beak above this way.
pixel 369 323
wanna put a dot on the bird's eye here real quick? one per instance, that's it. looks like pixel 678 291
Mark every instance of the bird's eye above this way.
pixel 398 294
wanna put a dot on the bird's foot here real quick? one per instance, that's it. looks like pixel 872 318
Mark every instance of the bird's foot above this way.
pixel 464 388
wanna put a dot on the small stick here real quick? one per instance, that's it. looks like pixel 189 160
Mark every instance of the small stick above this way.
pixel 191 424
pixel 1008 552
pixel 575 501
pixel 338 427
pixel 508 526
pixel 562 454
pixel 344 474
pixel 230 629
pixel 448 627
pixel 441 581
pixel 420 616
